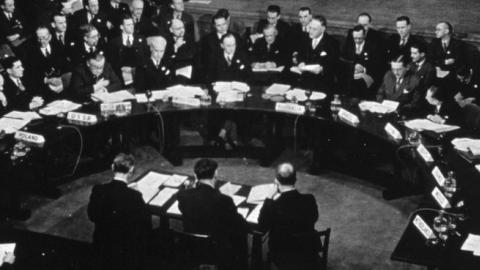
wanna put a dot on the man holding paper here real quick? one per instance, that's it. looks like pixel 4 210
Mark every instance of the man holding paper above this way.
pixel 180 51
pixel 269 52
pixel 285 213
pixel 207 211
pixel 122 220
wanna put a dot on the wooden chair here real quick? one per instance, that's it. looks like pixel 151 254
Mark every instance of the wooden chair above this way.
pixel 318 240
pixel 194 251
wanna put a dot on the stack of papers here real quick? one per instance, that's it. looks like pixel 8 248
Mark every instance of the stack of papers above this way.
pixel 265 69
pixel 163 196
pixel 11 125
pixel 156 95
pixel 467 145
pixel 259 193
pixel 185 72
pixel 175 180
pixel 425 124
pixel 300 95
pixel 472 243
pixel 253 217
pixel 59 106
pixel 184 91
pixel 229 96
pixel 277 89
pixel 149 184
pixel 113 97
pixel 229 189
pixel 23 115
pixel 231 86
pixel 387 106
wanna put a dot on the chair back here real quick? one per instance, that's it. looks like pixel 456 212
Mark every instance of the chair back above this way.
pixel 472 117
pixel 194 251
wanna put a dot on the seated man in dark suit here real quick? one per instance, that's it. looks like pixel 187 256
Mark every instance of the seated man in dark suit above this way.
pixel 180 51
pixel 401 85
pixel 92 15
pixel 13 29
pixel 400 43
pixel 269 51
pixel 320 52
pixel 445 51
pixel 94 76
pixel 114 10
pixel 286 214
pixel 176 10
pixel 207 211
pixel 127 51
pixel 21 94
pixel 371 35
pixel 299 31
pixel 420 66
pixel 122 220
pixel 92 42
pixel 143 24
pixel 274 19
pixel 47 62
pixel 444 110
pixel 362 65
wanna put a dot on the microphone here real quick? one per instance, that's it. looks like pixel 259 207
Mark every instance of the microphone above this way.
pixel 148 94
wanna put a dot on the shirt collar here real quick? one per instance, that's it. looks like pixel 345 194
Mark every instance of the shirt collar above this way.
pixel 125 37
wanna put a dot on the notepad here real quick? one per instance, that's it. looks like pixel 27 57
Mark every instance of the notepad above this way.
pixel 59 106
pixel 277 89
pixel 175 180
pixel 163 196
pixel 229 189
pixel 174 210
pixel 467 145
pixel 10 125
pixel 259 193
pixel 255 214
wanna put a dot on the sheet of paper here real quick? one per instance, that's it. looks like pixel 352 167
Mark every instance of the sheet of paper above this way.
pixel 229 189
pixel 472 243
pixel 185 72
pixel 264 69
pixel 390 105
pixel 442 73
pixel 477 167
pixel 59 106
pixel 229 96
pixel 184 91
pixel 259 193
pixel 149 184
pixel 174 210
pixel 175 180
pixel 6 248
pixel 163 196
pixel 253 217
pixel 425 124
pixel 295 69
pixel 127 77
pixel 23 115
pixel 243 211
pixel 467 145
pixel 141 98
pixel 113 97
pixel 277 89
pixel 240 86
pixel 237 200
pixel 200 2
pixel 11 125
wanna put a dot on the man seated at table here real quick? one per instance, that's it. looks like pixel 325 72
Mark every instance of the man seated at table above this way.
pixel 401 85
pixel 94 76
pixel 444 110
pixel 180 51
pixel 317 59
pixel 285 214
pixel 207 211
pixel 268 51
pixel 19 92
pixel 121 217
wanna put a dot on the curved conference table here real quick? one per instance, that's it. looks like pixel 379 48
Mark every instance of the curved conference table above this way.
pixel 412 246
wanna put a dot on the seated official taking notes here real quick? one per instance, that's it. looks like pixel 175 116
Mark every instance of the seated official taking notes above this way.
pixel 286 214
pixel 122 220
pixel 444 110
pixel 269 51
pixel 207 211
pixel 95 76
pixel 399 84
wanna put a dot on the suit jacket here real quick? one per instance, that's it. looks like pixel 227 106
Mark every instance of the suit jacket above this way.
pixel 144 27
pixel 450 111
pixel 122 223
pixel 112 14
pixel 373 36
pixel 426 73
pixel 184 55
pixel 15 25
pixel 150 77
pixel 83 80
pixel 277 53
pixel 18 99
pixel 120 55
pixel 187 19
pixel 238 70
pixel 69 40
pixel 394 49
pixel 326 55
pixel 282 219
pixel 283 28
pixel 210 46
pixel 296 37
pixel 409 94
pixel 80 18
pixel 78 52
pixel 455 50
pixel 371 58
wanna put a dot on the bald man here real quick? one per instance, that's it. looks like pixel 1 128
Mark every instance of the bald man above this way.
pixel 445 51
pixel 180 50
pixel 285 213
pixel 156 73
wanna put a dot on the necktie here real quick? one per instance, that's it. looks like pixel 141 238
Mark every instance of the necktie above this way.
pixel 444 45
pixel 358 49
pixel 61 38
pixel 46 52
pixel 397 84
pixel 20 85
pixel 129 42
pixel 9 16
pixel 268 47
pixel 402 42
pixel 314 43
pixel 229 60
pixel 91 49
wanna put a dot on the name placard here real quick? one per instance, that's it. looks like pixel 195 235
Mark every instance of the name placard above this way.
pixel 82 117
pixel 438 175
pixel 289 108
pixel 424 153
pixel 392 131
pixel 31 138
pixel 440 198
pixel 423 227
pixel 348 117
pixel 117 108
pixel 194 102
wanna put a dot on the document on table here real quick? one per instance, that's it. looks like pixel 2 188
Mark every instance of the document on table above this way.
pixel 387 106
pixel 185 72
pixel 59 106
pixel 185 91
pixel 264 69
pixel 253 217
pixel 243 211
pixel 277 89
pixel 127 76
pixel 467 145
pixel 425 124
pixel 23 115
pixel 259 193
pixel 149 184
pixel 174 209
pixel 11 125
pixel 113 97
pixel 163 196
pixel 175 180
pixel 229 189
pixel 472 243
pixel 237 200
pixel 6 248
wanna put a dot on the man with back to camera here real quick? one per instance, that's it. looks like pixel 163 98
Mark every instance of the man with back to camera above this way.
pixel 286 213
pixel 122 220
pixel 207 211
